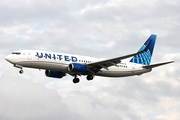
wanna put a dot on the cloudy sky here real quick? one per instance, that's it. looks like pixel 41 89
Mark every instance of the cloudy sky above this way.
pixel 103 28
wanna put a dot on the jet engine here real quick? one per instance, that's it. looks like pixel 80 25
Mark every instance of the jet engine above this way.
pixel 55 74
pixel 77 67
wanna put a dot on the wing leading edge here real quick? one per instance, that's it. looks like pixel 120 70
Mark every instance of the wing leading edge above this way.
pixel 96 66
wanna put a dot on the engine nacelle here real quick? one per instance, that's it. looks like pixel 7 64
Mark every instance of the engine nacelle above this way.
pixel 77 67
pixel 55 74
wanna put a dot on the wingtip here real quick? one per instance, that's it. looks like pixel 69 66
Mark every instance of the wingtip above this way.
pixel 171 61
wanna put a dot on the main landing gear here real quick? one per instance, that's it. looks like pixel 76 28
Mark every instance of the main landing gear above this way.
pixel 76 80
pixel 89 77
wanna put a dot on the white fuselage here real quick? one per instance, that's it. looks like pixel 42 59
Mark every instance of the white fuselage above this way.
pixel 60 61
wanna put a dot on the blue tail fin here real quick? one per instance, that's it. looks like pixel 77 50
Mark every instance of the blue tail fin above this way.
pixel 145 58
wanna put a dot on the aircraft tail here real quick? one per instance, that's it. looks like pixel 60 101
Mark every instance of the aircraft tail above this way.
pixel 148 47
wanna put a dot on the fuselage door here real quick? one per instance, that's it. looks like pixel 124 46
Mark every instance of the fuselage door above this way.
pixel 29 55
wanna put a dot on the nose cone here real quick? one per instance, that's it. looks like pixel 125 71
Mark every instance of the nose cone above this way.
pixel 9 58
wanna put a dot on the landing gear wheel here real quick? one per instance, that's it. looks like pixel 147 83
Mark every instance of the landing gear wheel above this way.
pixel 89 77
pixel 75 80
pixel 21 71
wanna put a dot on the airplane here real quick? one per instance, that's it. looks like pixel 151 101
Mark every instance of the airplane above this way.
pixel 58 65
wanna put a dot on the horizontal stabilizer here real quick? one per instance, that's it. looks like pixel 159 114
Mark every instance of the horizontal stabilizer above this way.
pixel 156 65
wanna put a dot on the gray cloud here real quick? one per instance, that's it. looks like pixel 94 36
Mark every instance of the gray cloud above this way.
pixel 53 25
pixel 23 99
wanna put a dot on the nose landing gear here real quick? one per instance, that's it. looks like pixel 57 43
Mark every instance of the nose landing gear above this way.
pixel 19 66
pixel 21 71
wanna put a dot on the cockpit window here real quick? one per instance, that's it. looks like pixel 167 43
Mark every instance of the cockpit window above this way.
pixel 17 53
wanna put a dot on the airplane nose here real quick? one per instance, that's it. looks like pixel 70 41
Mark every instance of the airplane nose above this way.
pixel 8 58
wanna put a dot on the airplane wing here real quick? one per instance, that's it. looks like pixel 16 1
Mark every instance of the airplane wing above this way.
pixel 156 65
pixel 96 66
